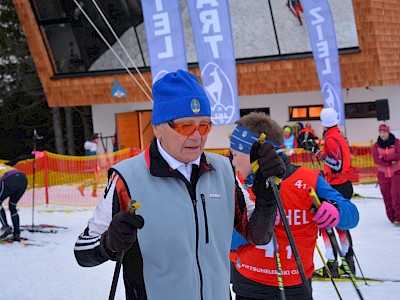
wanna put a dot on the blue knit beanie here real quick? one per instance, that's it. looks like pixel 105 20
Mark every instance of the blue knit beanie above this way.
pixel 178 95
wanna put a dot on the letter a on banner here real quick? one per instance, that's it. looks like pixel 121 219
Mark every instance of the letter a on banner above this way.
pixel 162 19
pixel 322 35
pixel 212 34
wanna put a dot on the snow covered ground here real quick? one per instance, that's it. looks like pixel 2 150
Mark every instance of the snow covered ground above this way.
pixel 50 271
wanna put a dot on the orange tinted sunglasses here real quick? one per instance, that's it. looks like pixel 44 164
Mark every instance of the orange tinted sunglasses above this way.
pixel 188 128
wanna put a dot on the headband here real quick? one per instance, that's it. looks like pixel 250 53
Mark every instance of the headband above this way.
pixel 242 139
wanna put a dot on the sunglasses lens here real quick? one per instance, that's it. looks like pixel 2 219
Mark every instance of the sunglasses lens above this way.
pixel 204 128
pixel 186 129
pixel 189 129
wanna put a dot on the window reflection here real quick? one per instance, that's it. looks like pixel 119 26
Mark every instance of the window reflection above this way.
pixel 264 29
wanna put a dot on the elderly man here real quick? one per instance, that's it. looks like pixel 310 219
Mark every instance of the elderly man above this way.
pixel 190 202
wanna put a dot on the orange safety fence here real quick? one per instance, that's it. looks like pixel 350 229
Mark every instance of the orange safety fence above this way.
pixel 68 180
pixel 81 180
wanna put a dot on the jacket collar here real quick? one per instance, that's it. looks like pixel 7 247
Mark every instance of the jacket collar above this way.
pixel 160 168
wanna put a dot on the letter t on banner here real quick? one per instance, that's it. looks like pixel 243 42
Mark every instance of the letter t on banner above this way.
pixel 162 19
pixel 212 34
pixel 322 35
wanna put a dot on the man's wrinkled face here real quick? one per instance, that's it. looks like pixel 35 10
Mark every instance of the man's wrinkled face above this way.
pixel 241 162
pixel 184 138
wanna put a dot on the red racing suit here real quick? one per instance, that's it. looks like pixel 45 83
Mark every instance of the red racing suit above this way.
pixel 257 263
pixel 336 158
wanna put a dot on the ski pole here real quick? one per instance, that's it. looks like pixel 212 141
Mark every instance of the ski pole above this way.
pixel 347 232
pixel 273 181
pixel 36 138
pixel 328 271
pixel 278 267
pixel 132 207
pixel 354 254
pixel 335 244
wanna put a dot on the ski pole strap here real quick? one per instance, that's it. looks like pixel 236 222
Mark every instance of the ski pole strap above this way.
pixel 255 166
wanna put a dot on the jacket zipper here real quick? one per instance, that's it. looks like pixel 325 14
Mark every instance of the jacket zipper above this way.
pixel 387 153
pixel 203 201
pixel 194 202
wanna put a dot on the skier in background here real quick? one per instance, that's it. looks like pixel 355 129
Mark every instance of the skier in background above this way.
pixel 296 8
pixel 13 184
pixel 338 172
pixel 91 165
pixel 306 133
pixel 290 140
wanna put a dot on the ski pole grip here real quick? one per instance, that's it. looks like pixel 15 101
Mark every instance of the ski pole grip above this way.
pixel 255 166
pixel 317 204
pixel 133 206
pixel 314 198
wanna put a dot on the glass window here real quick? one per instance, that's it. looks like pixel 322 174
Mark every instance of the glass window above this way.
pixel 49 10
pixel 246 111
pixel 303 113
pixel 65 49
pixel 264 30
pixel 360 110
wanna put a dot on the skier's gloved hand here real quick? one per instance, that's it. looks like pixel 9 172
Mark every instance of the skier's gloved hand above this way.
pixel 121 234
pixel 327 215
pixel 311 145
pixel 270 164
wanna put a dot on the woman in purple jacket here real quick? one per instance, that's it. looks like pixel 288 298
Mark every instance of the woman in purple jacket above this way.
pixel 386 154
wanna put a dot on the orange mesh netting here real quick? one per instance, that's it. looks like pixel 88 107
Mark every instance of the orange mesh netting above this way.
pixel 68 180
pixel 81 180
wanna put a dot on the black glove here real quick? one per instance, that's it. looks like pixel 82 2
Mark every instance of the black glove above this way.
pixel 311 145
pixel 121 234
pixel 268 159
pixel 270 164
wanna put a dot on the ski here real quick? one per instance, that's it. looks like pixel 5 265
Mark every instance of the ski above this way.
pixel 45 226
pixel 358 196
pixel 23 242
pixel 347 279
pixel 42 228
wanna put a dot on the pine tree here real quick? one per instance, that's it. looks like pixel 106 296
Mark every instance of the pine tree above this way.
pixel 23 105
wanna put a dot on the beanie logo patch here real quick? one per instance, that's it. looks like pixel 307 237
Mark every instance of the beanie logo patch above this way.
pixel 195 106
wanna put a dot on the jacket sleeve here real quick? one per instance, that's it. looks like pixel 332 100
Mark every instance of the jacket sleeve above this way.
pixel 396 155
pixel 87 250
pixel 254 221
pixel 332 155
pixel 349 215
pixel 375 156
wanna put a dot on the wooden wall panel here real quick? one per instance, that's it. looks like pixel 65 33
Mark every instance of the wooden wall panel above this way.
pixel 377 63
pixel 134 129
pixel 128 130
pixel 146 129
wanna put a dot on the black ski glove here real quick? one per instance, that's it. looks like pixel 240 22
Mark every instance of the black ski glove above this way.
pixel 121 234
pixel 270 165
pixel 311 145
